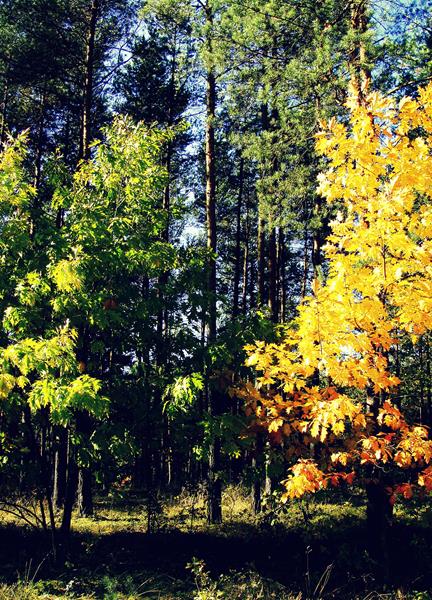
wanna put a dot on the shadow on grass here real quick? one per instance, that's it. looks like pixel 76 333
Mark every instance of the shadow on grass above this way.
pixel 295 557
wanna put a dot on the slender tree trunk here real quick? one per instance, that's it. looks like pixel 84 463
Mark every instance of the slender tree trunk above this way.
pixel 282 259
pixel 268 484
pixel 360 72
pixel 272 269
pixel 305 264
pixel 84 426
pixel 318 239
pixel 3 111
pixel 39 142
pixel 256 485
pixel 261 261
pixel 379 508
pixel 211 206
pixel 428 382
pixel 44 471
pixel 251 279
pixel 85 494
pixel 163 314
pixel 166 204
pixel 86 131
pixel 70 496
pixel 60 467
pixel 237 256
pixel 245 267
pixel 214 400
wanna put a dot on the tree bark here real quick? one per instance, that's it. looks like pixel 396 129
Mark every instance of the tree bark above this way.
pixel 318 239
pixel 85 475
pixel 237 256
pixel 272 269
pixel 3 110
pixel 60 467
pixel 86 131
pixel 85 494
pixel 39 142
pixel 256 485
pixel 70 496
pixel 379 520
pixel 214 484
pixel 282 260
pixel 245 272
pixel 428 383
pixel 305 265
pixel 379 508
pixel 360 72
pixel 261 260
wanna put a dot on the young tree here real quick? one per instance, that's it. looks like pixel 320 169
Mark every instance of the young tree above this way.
pixel 41 384
pixel 329 386
pixel 75 319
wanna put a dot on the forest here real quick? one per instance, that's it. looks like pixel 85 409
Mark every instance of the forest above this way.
pixel 216 299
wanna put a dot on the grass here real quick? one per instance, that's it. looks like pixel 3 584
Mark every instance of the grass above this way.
pixel 306 550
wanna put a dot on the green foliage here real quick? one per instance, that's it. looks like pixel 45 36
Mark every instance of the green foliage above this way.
pixel 82 393
pixel 46 377
pixel 67 286
pixel 181 395
pixel 228 428
pixel 31 289
pixel 65 276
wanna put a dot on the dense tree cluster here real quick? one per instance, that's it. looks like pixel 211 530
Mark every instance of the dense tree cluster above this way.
pixel 160 212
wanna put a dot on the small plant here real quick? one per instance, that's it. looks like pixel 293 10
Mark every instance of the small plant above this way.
pixel 315 591
pixel 207 589
pixel 19 591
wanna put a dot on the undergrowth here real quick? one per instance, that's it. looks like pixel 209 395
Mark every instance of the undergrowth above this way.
pixel 165 550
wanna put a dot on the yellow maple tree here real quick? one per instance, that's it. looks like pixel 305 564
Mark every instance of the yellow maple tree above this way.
pixel 328 387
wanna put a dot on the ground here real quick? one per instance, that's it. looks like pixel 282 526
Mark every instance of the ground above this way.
pixel 306 550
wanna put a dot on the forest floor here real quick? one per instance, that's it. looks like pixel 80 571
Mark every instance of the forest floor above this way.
pixel 305 551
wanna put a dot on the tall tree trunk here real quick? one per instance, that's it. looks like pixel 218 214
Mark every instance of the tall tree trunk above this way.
pixel 305 264
pixel 261 260
pixel 379 512
pixel 318 239
pixel 166 203
pixel 163 313
pixel 257 474
pixel 428 382
pixel 246 266
pixel 86 130
pixel 272 269
pixel 379 520
pixel 70 496
pixel 211 207
pixel 379 508
pixel 237 256
pixel 84 427
pixel 39 140
pixel 252 276
pixel 214 482
pixel 85 493
pixel 282 259
pixel 85 475
pixel 360 72
pixel 60 467
pixel 3 109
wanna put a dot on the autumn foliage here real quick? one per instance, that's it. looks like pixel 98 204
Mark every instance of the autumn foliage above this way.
pixel 328 390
